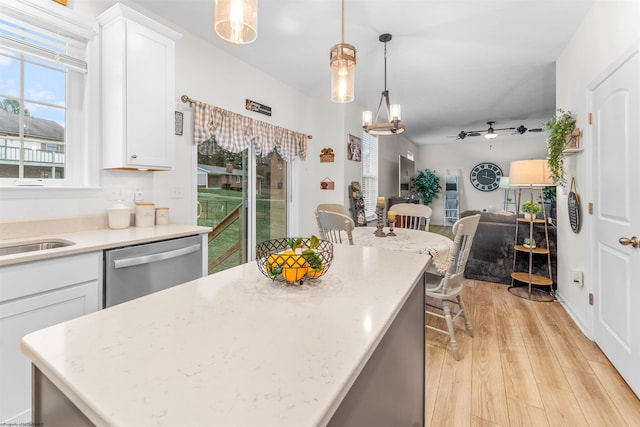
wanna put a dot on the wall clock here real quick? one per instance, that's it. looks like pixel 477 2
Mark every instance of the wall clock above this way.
pixel 485 176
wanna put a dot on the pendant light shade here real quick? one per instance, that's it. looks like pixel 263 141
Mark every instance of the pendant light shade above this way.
pixel 394 116
pixel 342 59
pixel 236 21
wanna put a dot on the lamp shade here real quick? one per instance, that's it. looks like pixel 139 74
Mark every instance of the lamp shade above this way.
pixel 530 173
pixel 236 21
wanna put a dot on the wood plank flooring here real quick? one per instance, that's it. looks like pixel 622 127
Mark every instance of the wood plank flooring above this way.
pixel 527 365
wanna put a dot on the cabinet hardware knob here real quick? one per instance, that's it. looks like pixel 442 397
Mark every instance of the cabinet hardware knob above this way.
pixel 134 156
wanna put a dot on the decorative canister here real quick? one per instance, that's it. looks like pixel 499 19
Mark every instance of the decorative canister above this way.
pixel 119 216
pixel 162 215
pixel 145 214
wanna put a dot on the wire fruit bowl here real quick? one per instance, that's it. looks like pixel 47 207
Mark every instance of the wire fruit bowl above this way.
pixel 309 261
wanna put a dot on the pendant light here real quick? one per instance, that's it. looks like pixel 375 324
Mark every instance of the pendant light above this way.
pixel 393 126
pixel 236 21
pixel 342 59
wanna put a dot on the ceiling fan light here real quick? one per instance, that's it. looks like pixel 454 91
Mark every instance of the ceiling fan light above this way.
pixel 343 62
pixel 490 134
pixel 236 21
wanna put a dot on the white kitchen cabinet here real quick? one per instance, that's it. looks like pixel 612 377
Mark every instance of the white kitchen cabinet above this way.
pixel 138 85
pixel 35 295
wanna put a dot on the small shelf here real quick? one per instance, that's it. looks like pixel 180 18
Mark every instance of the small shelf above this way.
pixel 533 254
pixel 537 220
pixel 536 279
pixel 536 250
pixel 572 150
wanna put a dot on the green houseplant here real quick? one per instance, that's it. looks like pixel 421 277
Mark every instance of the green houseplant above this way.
pixel 560 127
pixel 531 209
pixel 427 185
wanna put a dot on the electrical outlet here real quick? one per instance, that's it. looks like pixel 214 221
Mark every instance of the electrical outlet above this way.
pixel 138 195
pixel 177 193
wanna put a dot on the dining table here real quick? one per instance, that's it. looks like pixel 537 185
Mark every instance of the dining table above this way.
pixel 417 241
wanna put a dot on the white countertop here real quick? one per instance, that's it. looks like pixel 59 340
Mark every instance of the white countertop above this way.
pixel 94 240
pixel 230 349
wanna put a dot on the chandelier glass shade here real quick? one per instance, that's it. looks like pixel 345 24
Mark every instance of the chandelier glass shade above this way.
pixel 342 59
pixel 236 21
pixel 394 111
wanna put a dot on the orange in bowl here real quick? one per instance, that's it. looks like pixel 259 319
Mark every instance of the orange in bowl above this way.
pixel 293 274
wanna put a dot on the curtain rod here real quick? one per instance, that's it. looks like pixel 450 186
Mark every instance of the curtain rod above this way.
pixel 186 99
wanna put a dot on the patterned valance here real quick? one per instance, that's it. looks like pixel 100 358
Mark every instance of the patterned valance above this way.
pixel 234 132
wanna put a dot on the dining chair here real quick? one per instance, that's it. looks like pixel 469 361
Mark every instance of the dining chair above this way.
pixel 335 226
pixel 410 215
pixel 331 207
pixel 445 289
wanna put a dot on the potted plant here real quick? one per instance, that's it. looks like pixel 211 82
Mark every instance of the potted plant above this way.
pixel 427 185
pixel 531 209
pixel 560 127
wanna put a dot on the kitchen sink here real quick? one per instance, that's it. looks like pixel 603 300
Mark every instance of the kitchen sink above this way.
pixel 37 245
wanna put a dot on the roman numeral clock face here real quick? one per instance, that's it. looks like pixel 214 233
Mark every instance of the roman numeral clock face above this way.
pixel 486 176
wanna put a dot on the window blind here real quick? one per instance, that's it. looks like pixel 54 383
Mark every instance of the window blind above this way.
pixel 369 174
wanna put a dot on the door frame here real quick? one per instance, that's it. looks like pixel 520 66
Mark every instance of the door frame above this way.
pixel 591 284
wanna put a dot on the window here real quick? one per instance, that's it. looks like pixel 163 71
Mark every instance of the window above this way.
pixel 369 174
pixel 42 87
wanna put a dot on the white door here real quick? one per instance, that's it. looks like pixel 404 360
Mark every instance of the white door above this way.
pixel 616 177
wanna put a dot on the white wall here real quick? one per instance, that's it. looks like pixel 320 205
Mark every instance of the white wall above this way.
pixel 458 158
pixel 607 31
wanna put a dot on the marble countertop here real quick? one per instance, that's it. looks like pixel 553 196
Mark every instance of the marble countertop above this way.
pixel 230 349
pixel 93 240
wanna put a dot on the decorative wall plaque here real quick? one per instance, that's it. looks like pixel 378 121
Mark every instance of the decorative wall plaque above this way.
pixel 327 184
pixel 257 107
pixel 327 155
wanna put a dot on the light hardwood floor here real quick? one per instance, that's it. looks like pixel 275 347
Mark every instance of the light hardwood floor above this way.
pixel 528 364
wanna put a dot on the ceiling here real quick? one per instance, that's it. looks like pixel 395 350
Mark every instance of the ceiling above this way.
pixel 453 65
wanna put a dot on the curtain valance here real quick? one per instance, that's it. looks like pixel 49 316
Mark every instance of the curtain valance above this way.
pixel 234 132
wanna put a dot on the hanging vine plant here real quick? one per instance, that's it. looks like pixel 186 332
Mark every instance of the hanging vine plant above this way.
pixel 560 128
pixel 427 185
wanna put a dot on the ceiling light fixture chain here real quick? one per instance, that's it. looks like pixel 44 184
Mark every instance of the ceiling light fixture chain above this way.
pixel 342 59
pixel 393 126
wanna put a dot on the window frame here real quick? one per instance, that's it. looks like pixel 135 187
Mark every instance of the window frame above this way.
pixel 81 122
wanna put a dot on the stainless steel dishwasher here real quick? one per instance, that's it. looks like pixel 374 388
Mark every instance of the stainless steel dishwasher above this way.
pixel 135 271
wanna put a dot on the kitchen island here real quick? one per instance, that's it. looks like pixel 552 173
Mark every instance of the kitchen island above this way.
pixel 237 349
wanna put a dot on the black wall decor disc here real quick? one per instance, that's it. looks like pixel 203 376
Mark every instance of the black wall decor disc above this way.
pixel 573 202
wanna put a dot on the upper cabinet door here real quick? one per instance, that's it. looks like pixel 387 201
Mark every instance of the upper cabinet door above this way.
pixel 138 85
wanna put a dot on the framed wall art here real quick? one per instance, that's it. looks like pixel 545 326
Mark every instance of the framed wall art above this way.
pixel 354 148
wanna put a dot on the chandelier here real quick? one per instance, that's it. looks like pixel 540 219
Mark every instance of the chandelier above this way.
pixel 342 59
pixel 236 21
pixel 393 126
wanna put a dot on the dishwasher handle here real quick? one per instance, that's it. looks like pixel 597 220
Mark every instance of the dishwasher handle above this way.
pixel 162 256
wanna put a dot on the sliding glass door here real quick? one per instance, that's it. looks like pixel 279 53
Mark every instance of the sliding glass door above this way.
pixel 242 196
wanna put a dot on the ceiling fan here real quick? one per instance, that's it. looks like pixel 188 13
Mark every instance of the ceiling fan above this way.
pixel 490 133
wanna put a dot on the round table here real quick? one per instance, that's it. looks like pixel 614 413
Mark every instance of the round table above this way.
pixel 422 242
